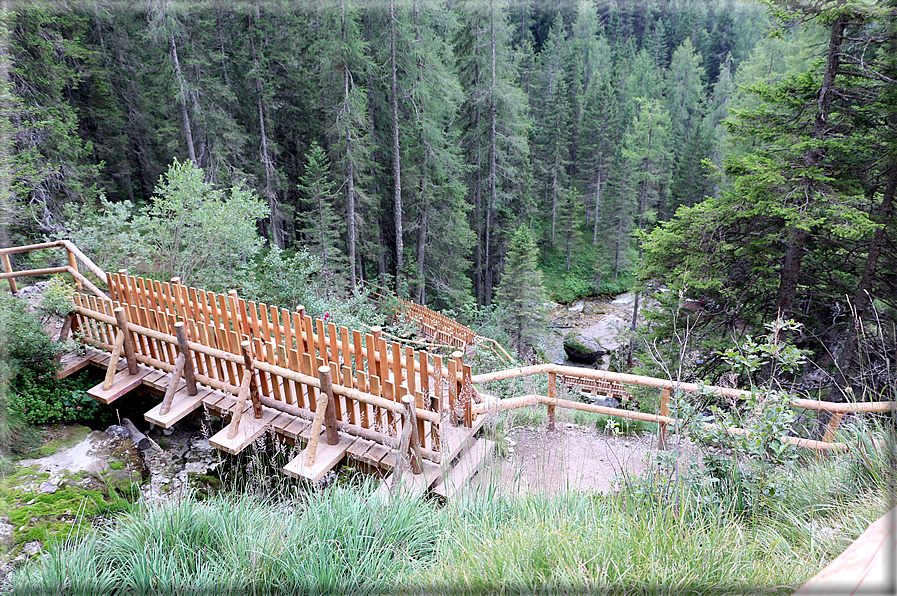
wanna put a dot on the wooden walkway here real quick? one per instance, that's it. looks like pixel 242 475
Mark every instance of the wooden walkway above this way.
pixel 336 393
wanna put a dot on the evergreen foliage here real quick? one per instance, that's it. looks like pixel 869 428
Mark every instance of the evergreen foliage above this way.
pixel 520 292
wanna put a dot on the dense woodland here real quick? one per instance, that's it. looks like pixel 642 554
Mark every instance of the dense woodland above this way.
pixel 742 154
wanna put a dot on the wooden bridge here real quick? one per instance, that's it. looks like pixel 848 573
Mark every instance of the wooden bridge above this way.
pixel 335 392
pixel 261 368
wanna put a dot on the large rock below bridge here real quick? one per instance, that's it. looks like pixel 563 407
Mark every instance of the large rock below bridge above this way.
pixel 583 349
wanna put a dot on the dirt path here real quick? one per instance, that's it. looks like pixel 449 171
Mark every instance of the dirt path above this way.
pixel 571 458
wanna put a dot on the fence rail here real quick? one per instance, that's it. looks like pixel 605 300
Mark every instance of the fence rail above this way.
pixel 556 372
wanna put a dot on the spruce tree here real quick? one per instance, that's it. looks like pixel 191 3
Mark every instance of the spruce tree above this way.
pixel 322 229
pixel 520 293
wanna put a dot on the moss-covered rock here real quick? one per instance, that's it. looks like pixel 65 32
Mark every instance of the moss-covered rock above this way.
pixel 582 349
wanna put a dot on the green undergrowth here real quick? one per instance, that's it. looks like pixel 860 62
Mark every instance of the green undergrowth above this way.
pixel 69 512
pixel 661 533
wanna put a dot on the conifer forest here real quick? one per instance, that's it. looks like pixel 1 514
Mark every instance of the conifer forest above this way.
pixel 467 153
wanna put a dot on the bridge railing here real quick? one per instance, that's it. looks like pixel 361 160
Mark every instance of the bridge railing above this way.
pixel 370 375
pixel 663 419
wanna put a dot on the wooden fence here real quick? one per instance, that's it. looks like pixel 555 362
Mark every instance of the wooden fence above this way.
pixel 554 372
pixel 369 374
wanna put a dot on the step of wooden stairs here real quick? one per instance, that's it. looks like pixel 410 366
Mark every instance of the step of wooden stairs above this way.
pixel 73 362
pixel 250 429
pixel 455 440
pixel 122 383
pixel 452 483
pixel 182 406
pixel 326 458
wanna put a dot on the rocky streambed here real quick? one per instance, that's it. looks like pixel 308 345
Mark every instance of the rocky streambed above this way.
pixel 601 322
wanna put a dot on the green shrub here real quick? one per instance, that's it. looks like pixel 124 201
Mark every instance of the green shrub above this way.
pixel 43 400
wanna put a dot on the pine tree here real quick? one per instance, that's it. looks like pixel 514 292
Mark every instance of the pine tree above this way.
pixel 520 292
pixel 322 229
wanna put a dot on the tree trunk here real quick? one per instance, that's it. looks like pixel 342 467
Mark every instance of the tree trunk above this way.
pixel 397 174
pixel 266 158
pixel 182 85
pixel 493 150
pixel 350 191
pixel 789 277
pixel 862 298
pixel 597 203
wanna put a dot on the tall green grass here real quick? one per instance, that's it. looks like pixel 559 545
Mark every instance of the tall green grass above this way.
pixel 656 535
pixel 337 541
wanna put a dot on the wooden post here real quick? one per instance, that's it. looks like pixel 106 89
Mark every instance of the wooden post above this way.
pixel 113 360
pixel 246 349
pixel 7 268
pixel 414 447
pixel 73 263
pixel 121 317
pixel 664 411
pixel 172 385
pixel 240 406
pixel 66 327
pixel 324 375
pixel 320 411
pixel 831 428
pixel 552 394
pixel 181 333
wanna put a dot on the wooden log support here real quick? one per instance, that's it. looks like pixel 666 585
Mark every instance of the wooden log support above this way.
pixel 664 411
pixel 832 427
pixel 184 350
pixel 246 349
pixel 73 264
pixel 326 378
pixel 66 327
pixel 552 394
pixel 240 405
pixel 318 421
pixel 414 452
pixel 121 318
pixel 173 384
pixel 113 360
pixel 7 268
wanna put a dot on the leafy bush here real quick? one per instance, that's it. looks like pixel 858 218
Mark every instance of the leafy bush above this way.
pixel 286 279
pixel 43 400
pixel 190 229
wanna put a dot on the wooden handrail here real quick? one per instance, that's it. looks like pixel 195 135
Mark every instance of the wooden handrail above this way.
pixel 380 402
pixel 604 375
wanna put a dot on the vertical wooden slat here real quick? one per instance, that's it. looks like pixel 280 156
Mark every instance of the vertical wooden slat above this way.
pixel 421 423
pixel 296 365
pixel 340 402
pixel 377 419
pixel 397 371
pixel 254 319
pixel 151 344
pixel 372 355
pixel 276 334
pixel 452 391
pixel 322 341
pixel 287 383
pixel 298 329
pixel 229 367
pixel 275 380
pixel 259 348
pixel 312 393
pixel 334 352
pixel 409 370
pixel 197 308
pixel 266 324
pixel 309 337
pixel 288 331
pixel 223 315
pixel 244 319
pixel 366 409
